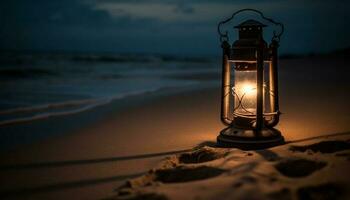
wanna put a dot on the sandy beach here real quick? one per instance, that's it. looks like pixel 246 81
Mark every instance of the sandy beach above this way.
pixel 127 138
pixel 308 169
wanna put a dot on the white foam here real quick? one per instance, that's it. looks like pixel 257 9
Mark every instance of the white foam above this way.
pixel 90 103
pixel 47 106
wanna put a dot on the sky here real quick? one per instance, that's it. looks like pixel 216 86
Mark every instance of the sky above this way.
pixel 181 27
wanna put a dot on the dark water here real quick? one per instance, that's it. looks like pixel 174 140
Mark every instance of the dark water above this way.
pixel 35 87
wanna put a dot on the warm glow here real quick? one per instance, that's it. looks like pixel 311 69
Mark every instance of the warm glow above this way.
pixel 248 89
pixel 246 97
pixel 245 91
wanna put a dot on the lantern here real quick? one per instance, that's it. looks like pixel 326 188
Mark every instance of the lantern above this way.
pixel 249 104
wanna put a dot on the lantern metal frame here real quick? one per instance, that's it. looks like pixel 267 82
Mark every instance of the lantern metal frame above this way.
pixel 261 134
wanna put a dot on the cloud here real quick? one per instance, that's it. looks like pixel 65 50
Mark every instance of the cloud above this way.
pixel 163 25
pixel 38 12
pixel 184 8
pixel 62 24
pixel 162 12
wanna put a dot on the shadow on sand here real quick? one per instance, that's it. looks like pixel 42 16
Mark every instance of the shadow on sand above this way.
pixel 74 184
pixel 318 137
pixel 39 165
pixel 66 185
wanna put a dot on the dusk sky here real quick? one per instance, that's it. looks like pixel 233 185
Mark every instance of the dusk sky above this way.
pixel 165 26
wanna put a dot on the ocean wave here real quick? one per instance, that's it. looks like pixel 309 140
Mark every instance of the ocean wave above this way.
pixel 25 73
pixel 113 58
pixel 48 106
pixel 76 106
pixel 28 58
pixel 139 58
pixel 47 115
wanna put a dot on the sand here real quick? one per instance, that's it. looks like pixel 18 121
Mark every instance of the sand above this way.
pixel 311 169
pixel 92 161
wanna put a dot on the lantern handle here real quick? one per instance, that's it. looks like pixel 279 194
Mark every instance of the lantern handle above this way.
pixel 276 36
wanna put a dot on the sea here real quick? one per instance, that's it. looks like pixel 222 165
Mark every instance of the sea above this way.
pixel 37 86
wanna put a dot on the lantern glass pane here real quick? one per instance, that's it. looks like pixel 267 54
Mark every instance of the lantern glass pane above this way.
pixel 244 92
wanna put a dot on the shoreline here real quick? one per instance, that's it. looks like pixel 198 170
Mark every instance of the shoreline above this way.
pixel 69 124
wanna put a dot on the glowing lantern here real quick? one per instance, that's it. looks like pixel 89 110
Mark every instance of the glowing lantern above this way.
pixel 249 104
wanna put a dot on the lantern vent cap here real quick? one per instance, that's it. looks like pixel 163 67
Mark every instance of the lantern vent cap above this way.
pixel 250 23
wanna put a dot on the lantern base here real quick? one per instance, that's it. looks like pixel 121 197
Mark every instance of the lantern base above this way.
pixel 249 139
